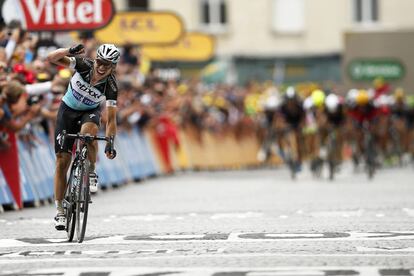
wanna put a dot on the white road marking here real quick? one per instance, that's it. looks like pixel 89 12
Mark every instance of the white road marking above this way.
pixel 200 256
pixel 244 215
pixel 347 214
pixel 410 212
pixel 231 237
pixel 207 271
pixel 379 249
pixel 294 235
pixel 237 215
pixel 11 243
pixel 174 237
pixel 58 253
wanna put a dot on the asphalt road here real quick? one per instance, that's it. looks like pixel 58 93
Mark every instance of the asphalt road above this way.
pixel 231 223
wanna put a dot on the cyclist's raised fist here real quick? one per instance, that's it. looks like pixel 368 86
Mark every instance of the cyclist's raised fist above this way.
pixel 77 50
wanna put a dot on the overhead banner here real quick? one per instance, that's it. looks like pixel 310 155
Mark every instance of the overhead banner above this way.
pixel 142 28
pixel 193 46
pixel 59 15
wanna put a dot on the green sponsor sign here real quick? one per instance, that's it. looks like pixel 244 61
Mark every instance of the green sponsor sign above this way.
pixel 366 70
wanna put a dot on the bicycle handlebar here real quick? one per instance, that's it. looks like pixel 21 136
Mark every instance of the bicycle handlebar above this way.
pixel 85 138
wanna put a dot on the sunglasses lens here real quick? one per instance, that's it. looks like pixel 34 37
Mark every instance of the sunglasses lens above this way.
pixel 103 63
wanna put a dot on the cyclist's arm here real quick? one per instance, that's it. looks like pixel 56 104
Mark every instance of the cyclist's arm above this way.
pixel 111 121
pixel 111 97
pixel 59 57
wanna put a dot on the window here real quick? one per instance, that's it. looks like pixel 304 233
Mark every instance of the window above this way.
pixel 365 11
pixel 138 4
pixel 213 15
pixel 288 16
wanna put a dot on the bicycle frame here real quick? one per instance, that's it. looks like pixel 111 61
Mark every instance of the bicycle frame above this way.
pixel 77 196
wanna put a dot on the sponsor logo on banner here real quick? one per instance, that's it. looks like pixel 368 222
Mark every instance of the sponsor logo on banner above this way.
pixel 369 69
pixel 142 28
pixel 59 15
pixel 193 46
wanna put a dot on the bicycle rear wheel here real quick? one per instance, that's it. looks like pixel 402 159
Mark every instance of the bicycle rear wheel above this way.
pixel 82 203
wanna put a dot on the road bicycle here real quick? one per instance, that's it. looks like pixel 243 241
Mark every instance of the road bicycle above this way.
pixel 288 150
pixel 77 195
pixel 370 151
pixel 332 152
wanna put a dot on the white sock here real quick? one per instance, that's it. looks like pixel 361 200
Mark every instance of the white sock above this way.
pixel 59 206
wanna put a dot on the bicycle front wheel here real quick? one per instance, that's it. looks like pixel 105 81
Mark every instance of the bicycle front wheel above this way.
pixel 70 205
pixel 82 203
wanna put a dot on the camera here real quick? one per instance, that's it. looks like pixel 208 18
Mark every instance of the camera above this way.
pixel 32 100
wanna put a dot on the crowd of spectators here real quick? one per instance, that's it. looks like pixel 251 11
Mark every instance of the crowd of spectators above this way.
pixel 31 90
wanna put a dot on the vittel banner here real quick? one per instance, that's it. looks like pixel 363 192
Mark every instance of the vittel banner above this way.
pixel 59 15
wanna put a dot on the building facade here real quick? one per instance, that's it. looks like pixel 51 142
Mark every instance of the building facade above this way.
pixel 283 40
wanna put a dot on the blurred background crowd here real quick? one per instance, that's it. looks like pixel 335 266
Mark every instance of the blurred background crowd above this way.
pixel 160 96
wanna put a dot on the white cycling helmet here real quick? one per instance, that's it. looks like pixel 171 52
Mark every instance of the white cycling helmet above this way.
pixel 273 102
pixel 108 52
pixel 308 103
pixel 332 102
pixel 290 93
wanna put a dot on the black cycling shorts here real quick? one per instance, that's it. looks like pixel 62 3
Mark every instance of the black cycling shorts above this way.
pixel 71 120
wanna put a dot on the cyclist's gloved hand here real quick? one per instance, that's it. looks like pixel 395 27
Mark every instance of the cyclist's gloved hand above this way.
pixel 76 50
pixel 109 149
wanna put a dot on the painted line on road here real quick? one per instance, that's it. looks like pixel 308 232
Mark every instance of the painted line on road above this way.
pixel 345 214
pixel 215 216
pixel 113 253
pixel 237 215
pixel 36 259
pixel 215 271
pixel 217 237
pixel 409 212
pixel 384 249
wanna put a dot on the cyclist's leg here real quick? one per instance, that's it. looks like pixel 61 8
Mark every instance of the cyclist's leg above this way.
pixel 66 120
pixel 62 165
pixel 90 125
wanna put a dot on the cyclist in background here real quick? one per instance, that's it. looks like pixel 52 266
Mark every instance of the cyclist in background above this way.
pixel 410 124
pixel 92 83
pixel 361 110
pixel 314 106
pixel 335 119
pixel 289 121
pixel 399 120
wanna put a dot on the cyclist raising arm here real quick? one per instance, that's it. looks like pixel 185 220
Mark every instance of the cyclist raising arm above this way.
pixel 91 84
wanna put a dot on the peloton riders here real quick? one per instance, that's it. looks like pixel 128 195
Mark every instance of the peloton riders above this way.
pixel 92 83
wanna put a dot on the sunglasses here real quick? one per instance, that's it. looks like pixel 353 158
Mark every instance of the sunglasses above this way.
pixel 105 64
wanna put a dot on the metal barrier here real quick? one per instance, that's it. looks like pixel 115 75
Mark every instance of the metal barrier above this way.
pixel 6 197
pixel 134 161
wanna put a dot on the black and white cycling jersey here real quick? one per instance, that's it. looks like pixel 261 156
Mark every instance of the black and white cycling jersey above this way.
pixel 81 95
